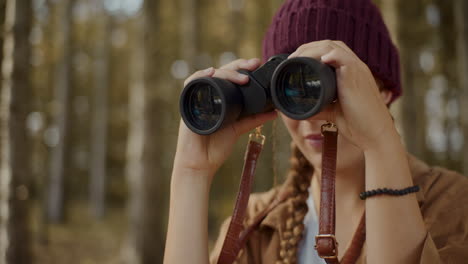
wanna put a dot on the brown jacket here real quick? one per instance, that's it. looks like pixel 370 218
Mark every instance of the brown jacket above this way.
pixel 443 200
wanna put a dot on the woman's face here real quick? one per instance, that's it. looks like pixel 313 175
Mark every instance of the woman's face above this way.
pixel 306 134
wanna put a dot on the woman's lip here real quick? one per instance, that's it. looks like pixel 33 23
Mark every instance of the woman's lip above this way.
pixel 315 140
pixel 314 137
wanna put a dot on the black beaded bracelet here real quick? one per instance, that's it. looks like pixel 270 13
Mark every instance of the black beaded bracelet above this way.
pixel 393 192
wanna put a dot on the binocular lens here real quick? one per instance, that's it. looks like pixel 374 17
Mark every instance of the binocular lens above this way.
pixel 204 106
pixel 299 88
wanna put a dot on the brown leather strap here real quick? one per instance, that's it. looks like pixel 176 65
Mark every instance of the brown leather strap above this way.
pixel 232 245
pixel 325 241
pixel 326 244
pixel 354 250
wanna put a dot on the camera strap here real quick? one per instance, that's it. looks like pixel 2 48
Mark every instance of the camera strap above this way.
pixel 326 244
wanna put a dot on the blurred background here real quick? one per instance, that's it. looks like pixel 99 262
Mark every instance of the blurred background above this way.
pixel 89 114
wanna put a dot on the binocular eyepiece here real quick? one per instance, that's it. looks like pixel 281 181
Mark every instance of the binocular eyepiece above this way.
pixel 299 87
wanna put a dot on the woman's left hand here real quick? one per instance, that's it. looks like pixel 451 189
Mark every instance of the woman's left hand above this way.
pixel 360 113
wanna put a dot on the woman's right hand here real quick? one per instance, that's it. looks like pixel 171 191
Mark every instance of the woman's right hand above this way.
pixel 206 153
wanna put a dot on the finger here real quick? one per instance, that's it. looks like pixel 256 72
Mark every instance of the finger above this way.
pixel 251 122
pixel 250 65
pixel 340 45
pixel 232 76
pixel 338 58
pixel 315 52
pixel 322 43
pixel 303 47
pixel 233 65
pixel 199 74
pixel 343 46
pixel 311 46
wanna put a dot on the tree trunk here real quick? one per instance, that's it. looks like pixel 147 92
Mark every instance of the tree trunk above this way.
pixel 390 15
pixel 60 152
pixel 135 144
pixel 97 187
pixel 4 144
pixel 15 164
pixel 414 82
pixel 445 66
pixel 461 22
pixel 237 22
pixel 189 26
pixel 152 130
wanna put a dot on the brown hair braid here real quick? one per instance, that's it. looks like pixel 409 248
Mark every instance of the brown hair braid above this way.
pixel 299 178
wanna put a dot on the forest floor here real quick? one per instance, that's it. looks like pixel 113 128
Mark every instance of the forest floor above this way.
pixel 82 239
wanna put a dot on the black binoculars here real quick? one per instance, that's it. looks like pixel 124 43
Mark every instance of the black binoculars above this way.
pixel 299 87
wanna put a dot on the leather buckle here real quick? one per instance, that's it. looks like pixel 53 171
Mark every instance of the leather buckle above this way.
pixel 328 126
pixel 335 244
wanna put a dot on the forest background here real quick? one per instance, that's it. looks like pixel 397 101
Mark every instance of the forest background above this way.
pixel 89 114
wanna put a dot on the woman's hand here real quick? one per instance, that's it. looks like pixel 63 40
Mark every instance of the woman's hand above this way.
pixel 206 153
pixel 360 114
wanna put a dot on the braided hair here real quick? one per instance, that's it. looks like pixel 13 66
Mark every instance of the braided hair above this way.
pixel 299 179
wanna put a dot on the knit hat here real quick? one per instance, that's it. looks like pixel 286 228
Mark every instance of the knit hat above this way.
pixel 358 23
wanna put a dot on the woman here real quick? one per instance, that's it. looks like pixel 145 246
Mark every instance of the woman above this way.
pixel 429 226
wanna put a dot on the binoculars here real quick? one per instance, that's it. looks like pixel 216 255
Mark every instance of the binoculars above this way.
pixel 299 87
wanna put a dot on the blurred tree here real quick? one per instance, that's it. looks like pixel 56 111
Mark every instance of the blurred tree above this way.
pixel 389 13
pixel 2 26
pixel 461 23
pixel 99 119
pixel 445 53
pixel 237 24
pixel 411 39
pixel 135 143
pixel 4 134
pixel 15 171
pixel 42 82
pixel 189 37
pixel 152 129
pixel 61 111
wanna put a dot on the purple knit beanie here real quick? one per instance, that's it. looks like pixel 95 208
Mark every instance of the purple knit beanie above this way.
pixel 358 23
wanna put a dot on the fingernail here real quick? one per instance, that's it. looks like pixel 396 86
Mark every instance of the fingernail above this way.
pixel 241 76
pixel 208 70
pixel 324 57
pixel 252 61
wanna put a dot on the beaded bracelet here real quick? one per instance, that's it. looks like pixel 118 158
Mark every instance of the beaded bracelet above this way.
pixel 393 192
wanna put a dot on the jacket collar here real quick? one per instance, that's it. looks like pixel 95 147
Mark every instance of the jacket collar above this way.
pixel 419 170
